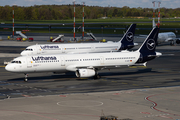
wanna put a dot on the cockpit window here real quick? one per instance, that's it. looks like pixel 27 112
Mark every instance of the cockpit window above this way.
pixel 28 49
pixel 13 61
pixel 18 62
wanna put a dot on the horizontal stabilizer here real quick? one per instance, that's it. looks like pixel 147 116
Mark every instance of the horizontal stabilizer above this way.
pixel 156 55
pixel 139 64
pixel 136 44
pixel 168 55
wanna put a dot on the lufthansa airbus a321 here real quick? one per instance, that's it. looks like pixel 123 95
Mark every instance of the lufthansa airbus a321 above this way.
pixel 86 65
pixel 127 42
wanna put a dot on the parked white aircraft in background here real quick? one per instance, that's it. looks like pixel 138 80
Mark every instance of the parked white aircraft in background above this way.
pixel 167 36
pixel 125 43
pixel 86 65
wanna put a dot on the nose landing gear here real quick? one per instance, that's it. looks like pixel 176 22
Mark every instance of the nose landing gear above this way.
pixel 25 77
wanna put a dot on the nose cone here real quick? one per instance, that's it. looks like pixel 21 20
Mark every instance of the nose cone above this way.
pixel 8 68
pixel 23 53
pixel 11 68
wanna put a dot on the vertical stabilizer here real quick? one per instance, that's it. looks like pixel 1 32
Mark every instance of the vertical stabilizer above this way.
pixel 147 49
pixel 127 41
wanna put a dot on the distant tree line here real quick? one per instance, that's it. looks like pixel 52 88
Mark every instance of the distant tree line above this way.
pixel 62 12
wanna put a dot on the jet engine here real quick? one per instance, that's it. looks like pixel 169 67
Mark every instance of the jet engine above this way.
pixel 81 73
pixel 178 41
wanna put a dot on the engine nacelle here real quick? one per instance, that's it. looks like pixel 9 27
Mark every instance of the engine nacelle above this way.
pixel 178 41
pixel 81 73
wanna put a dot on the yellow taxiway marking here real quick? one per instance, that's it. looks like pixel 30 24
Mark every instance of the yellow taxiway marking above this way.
pixel 103 80
pixel 113 81
pixel 83 78
pixel 2 66
pixel 135 84
pixel 124 83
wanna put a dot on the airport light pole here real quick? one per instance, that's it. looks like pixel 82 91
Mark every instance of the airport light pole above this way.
pixel 154 25
pixel 159 14
pixel 83 22
pixel 13 21
pixel 74 19
pixel 102 27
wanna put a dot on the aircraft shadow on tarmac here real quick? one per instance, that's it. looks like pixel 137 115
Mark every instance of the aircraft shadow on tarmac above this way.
pixel 139 71
pixel 56 77
pixel 71 76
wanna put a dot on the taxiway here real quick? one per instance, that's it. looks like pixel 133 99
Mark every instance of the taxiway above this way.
pixel 137 93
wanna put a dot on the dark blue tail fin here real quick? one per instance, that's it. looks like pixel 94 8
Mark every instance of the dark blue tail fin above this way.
pixel 147 49
pixel 127 41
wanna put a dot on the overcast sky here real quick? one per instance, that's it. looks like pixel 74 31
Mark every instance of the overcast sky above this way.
pixel 104 3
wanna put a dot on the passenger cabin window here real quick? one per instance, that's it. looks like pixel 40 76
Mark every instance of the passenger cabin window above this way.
pixel 70 48
pixel 84 48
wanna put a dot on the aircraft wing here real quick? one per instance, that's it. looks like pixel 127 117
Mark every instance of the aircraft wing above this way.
pixel 76 67
pixel 169 39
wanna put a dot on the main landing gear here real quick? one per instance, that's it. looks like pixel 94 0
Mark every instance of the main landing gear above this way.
pixel 172 43
pixel 25 77
pixel 97 76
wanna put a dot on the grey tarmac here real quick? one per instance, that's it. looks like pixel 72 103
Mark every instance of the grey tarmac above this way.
pixel 137 93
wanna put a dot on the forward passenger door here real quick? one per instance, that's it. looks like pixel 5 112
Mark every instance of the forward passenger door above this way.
pixel 62 61
pixel 29 62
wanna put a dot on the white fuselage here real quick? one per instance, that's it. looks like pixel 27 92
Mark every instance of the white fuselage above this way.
pixel 71 62
pixel 85 64
pixel 71 48
pixel 166 37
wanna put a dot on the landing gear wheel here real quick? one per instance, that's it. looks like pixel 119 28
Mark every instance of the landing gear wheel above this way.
pixel 97 76
pixel 172 43
pixel 178 41
pixel 25 78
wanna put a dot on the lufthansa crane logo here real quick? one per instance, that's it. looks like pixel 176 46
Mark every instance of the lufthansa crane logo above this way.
pixel 150 44
pixel 129 36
